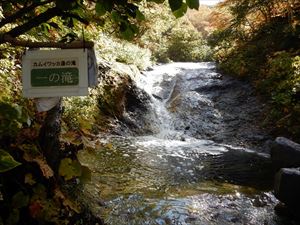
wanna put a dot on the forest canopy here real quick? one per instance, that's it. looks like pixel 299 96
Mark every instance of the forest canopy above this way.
pixel 19 16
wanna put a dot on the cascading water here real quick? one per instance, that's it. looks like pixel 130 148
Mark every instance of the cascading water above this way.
pixel 196 167
pixel 152 84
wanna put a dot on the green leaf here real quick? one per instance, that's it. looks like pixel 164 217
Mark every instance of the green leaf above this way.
pixel 181 11
pixel 10 111
pixel 193 4
pixel 100 10
pixel 7 162
pixel 13 217
pixel 86 175
pixel 116 17
pixel 40 192
pixel 134 28
pixel 128 31
pixel 45 28
pixel 20 200
pixel 128 34
pixel 69 169
pixel 7 7
pixel 103 6
pixel 175 4
pixel 139 15
pixel 66 4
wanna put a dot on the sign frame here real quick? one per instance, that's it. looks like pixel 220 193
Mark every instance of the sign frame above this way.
pixel 62 82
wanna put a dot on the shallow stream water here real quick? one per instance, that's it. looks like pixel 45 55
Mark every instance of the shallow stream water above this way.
pixel 205 162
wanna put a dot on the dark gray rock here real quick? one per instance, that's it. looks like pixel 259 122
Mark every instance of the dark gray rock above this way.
pixel 287 188
pixel 285 153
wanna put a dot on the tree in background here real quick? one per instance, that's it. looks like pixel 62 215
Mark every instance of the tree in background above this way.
pixel 172 40
pixel 261 42
pixel 46 14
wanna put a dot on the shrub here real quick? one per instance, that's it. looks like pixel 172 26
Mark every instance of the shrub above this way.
pixel 170 39
pixel 80 111
pixel 113 49
pixel 281 82
pixel 187 45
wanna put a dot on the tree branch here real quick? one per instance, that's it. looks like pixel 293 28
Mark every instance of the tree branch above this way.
pixel 43 17
pixel 22 12
pixel 15 42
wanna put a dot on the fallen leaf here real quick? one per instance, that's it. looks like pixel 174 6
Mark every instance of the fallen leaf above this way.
pixel 66 201
pixel 44 167
pixel 35 209
pixel 29 179
pixel 69 168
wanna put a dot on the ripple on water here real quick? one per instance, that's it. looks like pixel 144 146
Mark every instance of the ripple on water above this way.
pixel 204 209
pixel 146 180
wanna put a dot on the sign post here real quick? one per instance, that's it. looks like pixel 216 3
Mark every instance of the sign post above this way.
pixel 47 76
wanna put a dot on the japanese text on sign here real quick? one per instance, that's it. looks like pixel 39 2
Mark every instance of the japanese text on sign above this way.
pixel 54 77
pixel 54 63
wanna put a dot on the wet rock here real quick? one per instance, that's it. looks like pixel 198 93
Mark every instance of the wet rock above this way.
pixel 287 188
pixel 157 97
pixel 166 88
pixel 237 166
pixel 121 101
pixel 285 153
pixel 282 210
pixel 136 99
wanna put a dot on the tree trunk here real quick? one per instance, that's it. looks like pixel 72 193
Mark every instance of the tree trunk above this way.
pixel 49 137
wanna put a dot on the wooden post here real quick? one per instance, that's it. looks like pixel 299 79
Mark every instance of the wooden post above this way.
pixel 49 136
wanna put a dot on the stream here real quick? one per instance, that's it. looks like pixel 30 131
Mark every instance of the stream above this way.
pixel 204 161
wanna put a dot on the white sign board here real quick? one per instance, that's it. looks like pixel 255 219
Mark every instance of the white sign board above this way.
pixel 57 73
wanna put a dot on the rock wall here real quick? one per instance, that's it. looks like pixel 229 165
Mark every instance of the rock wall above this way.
pixel 120 101
pixel 285 155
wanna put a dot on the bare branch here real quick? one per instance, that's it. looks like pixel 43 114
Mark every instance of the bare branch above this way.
pixel 23 43
pixel 43 17
pixel 22 12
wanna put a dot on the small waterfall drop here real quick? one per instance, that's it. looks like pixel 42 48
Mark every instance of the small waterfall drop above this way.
pixel 159 84
pixel 163 84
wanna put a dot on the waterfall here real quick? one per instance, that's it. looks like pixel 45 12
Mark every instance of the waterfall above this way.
pixel 163 85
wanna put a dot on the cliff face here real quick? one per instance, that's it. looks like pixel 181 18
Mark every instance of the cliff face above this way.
pixel 121 103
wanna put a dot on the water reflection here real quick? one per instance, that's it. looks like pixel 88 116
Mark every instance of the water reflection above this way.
pixel 156 181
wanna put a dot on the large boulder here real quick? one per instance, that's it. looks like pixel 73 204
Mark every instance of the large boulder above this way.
pixel 287 189
pixel 120 100
pixel 287 186
pixel 285 153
